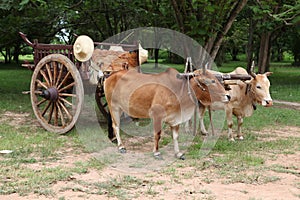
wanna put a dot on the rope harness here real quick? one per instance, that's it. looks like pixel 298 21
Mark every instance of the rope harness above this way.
pixel 250 91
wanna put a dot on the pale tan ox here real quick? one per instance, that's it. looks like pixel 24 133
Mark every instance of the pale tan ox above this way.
pixel 244 96
pixel 162 97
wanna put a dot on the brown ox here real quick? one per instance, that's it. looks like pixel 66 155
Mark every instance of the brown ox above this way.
pixel 244 96
pixel 162 97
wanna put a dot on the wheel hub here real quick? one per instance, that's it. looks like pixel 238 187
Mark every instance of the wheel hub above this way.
pixel 50 94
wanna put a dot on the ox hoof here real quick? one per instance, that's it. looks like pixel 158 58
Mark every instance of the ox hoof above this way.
pixel 204 133
pixel 157 155
pixel 240 137
pixel 180 156
pixel 122 150
pixel 114 140
pixel 231 139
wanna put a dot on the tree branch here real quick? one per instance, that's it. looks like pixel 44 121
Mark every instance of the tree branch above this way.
pixel 233 14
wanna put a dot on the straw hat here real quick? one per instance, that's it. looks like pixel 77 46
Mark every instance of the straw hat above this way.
pixel 83 48
pixel 143 54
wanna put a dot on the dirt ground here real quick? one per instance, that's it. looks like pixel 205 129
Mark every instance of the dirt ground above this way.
pixel 187 182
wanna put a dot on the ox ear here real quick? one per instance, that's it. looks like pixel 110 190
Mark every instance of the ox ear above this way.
pixel 268 73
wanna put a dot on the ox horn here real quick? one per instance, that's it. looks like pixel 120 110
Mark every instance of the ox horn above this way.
pixel 205 68
pixel 188 65
pixel 252 70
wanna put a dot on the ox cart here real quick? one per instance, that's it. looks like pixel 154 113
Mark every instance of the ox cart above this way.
pixel 57 84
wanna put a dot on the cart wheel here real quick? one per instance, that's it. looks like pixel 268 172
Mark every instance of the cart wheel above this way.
pixel 56 93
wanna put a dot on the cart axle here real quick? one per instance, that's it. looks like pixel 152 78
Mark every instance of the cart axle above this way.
pixel 50 94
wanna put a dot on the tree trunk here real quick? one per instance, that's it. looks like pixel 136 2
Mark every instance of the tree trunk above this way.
pixel 220 36
pixel 234 53
pixel 107 18
pixel 7 57
pixel 156 51
pixel 264 52
pixel 16 53
pixel 250 48
pixel 279 54
pixel 178 16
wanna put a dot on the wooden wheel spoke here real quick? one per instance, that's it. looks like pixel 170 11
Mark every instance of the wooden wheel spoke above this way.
pixel 66 101
pixel 41 83
pixel 59 75
pixel 65 109
pixel 67 95
pixel 60 114
pixel 45 77
pixel 67 87
pixel 54 64
pixel 40 102
pixel 64 80
pixel 46 108
pixel 55 114
pixel 49 74
pixel 38 92
pixel 51 112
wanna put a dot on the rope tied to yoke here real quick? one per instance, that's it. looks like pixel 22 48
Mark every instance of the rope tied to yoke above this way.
pixel 188 68
pixel 192 95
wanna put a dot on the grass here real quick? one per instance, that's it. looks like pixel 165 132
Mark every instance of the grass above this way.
pixel 33 146
pixel 14 80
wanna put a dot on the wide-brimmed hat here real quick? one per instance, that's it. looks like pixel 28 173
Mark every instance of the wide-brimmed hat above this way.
pixel 143 55
pixel 83 48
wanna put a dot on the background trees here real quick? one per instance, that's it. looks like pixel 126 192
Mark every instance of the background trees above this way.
pixel 261 29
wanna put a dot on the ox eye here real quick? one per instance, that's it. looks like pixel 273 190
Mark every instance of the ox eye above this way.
pixel 258 87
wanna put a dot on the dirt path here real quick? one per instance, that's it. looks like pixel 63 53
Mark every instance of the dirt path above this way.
pixel 287 104
pixel 184 183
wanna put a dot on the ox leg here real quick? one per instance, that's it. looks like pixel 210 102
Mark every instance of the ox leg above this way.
pixel 229 124
pixel 175 131
pixel 157 123
pixel 157 113
pixel 156 152
pixel 201 118
pixel 116 114
pixel 239 130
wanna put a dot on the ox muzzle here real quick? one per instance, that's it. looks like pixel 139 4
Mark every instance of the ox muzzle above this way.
pixel 267 103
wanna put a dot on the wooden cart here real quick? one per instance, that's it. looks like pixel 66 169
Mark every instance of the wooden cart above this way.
pixel 57 88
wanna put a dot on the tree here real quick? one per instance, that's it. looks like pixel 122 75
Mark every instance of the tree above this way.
pixel 209 21
pixel 274 17
pixel 294 44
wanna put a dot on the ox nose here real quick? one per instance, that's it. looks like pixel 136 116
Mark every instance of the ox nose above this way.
pixel 269 103
pixel 228 97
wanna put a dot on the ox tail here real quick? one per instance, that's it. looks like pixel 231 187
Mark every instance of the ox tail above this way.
pixel 111 134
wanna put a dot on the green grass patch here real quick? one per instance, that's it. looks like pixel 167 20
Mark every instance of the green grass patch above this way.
pixel 119 187
pixel 24 143
pixel 14 80
pixel 24 180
